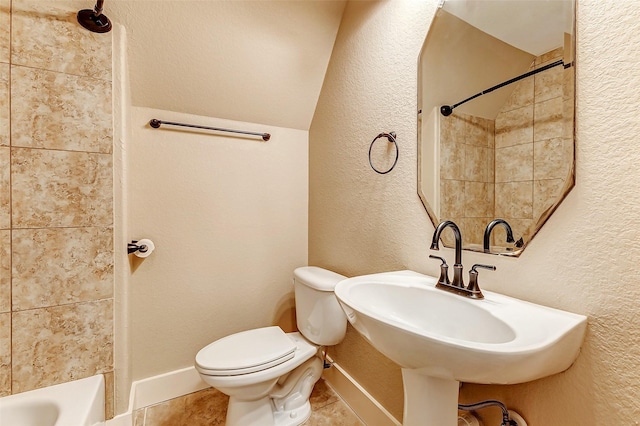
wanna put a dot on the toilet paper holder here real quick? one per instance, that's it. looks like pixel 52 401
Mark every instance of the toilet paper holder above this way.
pixel 133 247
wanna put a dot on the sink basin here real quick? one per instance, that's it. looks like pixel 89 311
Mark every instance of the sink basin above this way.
pixel 448 338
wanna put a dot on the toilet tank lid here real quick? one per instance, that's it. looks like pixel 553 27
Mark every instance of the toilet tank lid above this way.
pixel 317 278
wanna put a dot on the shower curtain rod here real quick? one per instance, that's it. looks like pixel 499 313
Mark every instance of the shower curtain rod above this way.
pixel 155 123
pixel 446 110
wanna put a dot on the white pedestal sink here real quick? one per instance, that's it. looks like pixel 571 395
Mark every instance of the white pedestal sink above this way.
pixel 440 338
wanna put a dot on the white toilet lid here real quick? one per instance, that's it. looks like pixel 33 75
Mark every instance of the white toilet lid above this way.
pixel 246 352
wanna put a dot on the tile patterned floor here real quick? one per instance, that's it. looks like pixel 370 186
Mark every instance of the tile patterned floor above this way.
pixel 209 408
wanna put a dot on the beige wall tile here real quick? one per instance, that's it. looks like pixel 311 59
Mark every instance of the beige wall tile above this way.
pixel 549 121
pixel 60 266
pixel 60 188
pixel 474 230
pixel 478 198
pixel 109 394
pixel 514 200
pixel 48 37
pixel 5 188
pixel 551 160
pixel 514 163
pixel 5 271
pixel 4 104
pixel 452 198
pixel 452 160
pixel 545 194
pixel 550 56
pixel 479 132
pixel 522 95
pixel 60 111
pixel 62 343
pixel 549 84
pixel 5 354
pixel 476 162
pixel 5 30
pixel 514 127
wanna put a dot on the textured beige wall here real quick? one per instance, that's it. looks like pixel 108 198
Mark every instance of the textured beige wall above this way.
pixel 584 259
pixel 256 61
pixel 56 237
pixel 228 216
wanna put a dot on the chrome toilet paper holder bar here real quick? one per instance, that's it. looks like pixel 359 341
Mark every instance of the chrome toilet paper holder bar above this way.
pixel 133 247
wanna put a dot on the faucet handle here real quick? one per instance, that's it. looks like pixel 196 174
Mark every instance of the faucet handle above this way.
pixel 473 286
pixel 444 270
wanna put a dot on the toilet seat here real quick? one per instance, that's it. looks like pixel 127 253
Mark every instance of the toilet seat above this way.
pixel 246 352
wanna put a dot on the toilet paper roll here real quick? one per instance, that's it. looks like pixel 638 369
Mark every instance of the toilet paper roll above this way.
pixel 149 247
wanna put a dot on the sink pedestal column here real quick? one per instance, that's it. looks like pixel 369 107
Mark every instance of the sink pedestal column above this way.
pixel 429 401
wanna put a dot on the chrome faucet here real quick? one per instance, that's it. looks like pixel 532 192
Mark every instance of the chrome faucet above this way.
pixel 457 267
pixel 457 285
pixel 490 226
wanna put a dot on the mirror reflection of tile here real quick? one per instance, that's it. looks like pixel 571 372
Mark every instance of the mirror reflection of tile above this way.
pixel 504 147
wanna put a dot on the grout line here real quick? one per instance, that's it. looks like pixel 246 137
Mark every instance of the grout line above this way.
pixel 40 148
pixel 63 305
pixel 11 363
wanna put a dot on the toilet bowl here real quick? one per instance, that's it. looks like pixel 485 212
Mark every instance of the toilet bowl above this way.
pixel 269 374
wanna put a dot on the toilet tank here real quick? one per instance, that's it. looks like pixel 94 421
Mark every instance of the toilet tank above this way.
pixel 319 316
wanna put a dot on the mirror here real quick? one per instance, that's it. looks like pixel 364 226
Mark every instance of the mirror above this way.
pixel 507 153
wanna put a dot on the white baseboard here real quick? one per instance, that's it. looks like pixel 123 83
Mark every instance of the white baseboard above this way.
pixel 157 389
pixel 164 387
pixel 361 402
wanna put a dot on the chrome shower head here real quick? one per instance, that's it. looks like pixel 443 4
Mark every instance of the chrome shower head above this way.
pixel 94 20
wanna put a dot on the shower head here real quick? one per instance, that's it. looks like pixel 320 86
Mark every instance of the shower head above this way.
pixel 94 20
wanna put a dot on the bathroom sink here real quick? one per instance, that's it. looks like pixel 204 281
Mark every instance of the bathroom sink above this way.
pixel 443 335
pixel 441 339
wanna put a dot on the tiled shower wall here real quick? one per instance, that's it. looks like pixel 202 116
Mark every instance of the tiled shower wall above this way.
pixel 56 198
pixel 533 158
pixel 514 168
pixel 467 175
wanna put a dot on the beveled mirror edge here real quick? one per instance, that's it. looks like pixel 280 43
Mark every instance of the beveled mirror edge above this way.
pixel 570 181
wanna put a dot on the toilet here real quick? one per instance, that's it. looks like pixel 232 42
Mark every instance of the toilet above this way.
pixel 269 374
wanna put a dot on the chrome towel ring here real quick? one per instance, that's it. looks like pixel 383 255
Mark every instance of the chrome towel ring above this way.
pixel 391 137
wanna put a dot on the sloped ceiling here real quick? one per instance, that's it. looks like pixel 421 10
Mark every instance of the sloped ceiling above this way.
pixel 256 61
pixel 535 26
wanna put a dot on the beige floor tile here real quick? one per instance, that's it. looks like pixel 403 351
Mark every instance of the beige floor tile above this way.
pixel 204 408
pixel 335 414
pixel 209 408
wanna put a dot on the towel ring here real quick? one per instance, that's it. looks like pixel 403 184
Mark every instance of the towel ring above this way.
pixel 391 137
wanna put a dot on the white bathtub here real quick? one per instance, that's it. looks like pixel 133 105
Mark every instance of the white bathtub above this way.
pixel 77 403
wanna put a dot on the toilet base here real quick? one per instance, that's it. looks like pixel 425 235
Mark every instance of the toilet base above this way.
pixel 293 417
pixel 261 412
pixel 286 402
